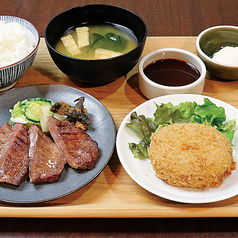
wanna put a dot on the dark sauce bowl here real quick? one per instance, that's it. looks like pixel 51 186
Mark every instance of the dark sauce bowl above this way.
pixel 102 71
pixel 152 89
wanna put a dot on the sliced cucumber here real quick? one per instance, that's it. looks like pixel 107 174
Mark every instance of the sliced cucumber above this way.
pixel 33 108
pixel 32 112
pixel 40 101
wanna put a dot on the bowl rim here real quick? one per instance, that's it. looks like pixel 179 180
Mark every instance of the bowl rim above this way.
pixel 96 4
pixel 205 55
pixel 177 50
pixel 32 52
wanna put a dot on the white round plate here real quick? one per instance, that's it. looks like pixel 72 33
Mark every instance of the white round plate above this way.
pixel 142 173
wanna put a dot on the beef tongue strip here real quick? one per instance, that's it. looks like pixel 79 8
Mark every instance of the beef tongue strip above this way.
pixel 5 131
pixel 80 151
pixel 46 162
pixel 14 156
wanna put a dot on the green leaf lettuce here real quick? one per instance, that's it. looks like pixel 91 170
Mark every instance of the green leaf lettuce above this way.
pixel 186 112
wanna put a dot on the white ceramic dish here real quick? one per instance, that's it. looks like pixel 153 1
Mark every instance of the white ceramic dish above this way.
pixel 141 171
pixel 151 89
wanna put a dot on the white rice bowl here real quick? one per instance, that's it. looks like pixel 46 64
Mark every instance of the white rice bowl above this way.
pixel 19 42
pixel 16 42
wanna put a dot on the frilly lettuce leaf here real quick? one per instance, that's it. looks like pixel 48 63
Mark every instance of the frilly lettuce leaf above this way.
pixel 186 112
pixel 141 125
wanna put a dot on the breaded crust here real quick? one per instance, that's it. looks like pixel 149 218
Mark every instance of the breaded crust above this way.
pixel 191 155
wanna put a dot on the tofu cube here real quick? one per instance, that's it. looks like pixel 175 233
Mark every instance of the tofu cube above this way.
pixel 104 54
pixel 82 36
pixel 70 45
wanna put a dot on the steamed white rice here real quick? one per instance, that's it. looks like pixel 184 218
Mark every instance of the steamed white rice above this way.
pixel 16 42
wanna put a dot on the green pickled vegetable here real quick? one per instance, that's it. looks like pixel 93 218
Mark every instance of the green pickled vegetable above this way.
pixel 32 110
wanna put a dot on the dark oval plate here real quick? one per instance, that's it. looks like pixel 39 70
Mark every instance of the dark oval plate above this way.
pixel 102 130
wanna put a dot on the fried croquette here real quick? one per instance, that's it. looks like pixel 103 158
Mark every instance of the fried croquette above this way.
pixel 191 155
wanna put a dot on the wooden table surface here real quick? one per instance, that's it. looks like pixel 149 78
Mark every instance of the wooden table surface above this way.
pixel 145 215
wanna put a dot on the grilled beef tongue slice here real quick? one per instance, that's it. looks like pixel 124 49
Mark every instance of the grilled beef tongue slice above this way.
pixel 14 156
pixel 80 151
pixel 46 162
pixel 5 131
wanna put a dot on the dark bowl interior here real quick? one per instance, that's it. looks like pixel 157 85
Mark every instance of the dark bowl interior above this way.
pixel 95 72
pixel 215 39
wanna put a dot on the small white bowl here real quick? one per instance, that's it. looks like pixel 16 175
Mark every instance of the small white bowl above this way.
pixel 151 89
pixel 10 74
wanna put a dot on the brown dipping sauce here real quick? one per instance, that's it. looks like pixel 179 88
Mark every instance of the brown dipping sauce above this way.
pixel 172 72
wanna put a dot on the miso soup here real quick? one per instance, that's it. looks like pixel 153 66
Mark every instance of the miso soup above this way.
pixel 104 41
